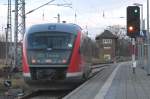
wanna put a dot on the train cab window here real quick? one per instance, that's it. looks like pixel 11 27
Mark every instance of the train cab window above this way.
pixel 48 40
pixel 38 42
pixel 50 47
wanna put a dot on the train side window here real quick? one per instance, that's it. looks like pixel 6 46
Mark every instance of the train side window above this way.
pixel 81 43
pixel 83 47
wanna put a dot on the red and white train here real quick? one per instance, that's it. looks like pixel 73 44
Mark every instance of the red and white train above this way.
pixel 56 52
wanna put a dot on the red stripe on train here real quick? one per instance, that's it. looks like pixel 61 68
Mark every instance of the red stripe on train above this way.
pixel 75 61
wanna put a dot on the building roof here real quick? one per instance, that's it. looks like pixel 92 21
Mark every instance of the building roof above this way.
pixel 106 34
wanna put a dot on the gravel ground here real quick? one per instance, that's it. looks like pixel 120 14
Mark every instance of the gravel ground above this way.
pixel 18 85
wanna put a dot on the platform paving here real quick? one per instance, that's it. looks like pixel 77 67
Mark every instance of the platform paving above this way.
pixel 127 85
pixel 124 85
pixel 90 88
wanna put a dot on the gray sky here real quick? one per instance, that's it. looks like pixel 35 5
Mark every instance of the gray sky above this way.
pixel 89 13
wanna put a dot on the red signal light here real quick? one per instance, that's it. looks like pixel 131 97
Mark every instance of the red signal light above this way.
pixel 130 28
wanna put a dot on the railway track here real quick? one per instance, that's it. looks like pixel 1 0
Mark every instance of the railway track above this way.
pixel 59 94
pixel 98 68
pixel 55 94
pixel 46 94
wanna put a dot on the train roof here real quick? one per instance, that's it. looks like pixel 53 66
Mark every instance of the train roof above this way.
pixel 63 27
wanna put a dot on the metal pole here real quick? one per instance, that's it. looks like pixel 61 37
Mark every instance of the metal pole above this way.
pixel 133 55
pixel 23 18
pixel 148 65
pixel 58 16
pixel 6 43
pixel 139 45
pixel 142 17
pixel 142 44
pixel 148 17
pixel 15 33
pixel 75 18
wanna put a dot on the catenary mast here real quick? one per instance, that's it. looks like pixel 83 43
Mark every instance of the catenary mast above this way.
pixel 8 31
pixel 19 28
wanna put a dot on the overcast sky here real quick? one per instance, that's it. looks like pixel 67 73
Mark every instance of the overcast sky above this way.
pixel 96 15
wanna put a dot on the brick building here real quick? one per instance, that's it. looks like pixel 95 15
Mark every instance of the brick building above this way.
pixel 107 42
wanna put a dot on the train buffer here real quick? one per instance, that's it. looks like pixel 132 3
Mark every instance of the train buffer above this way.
pixel 116 82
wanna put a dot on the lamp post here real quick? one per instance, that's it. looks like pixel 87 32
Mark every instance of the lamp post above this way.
pixel 58 18
pixel 148 36
pixel 138 4
pixel 140 44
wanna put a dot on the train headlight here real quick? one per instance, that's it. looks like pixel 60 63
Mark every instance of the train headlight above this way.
pixel 64 61
pixel 33 61
pixel 48 60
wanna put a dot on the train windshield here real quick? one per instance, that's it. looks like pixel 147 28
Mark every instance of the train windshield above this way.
pixel 50 47
pixel 51 41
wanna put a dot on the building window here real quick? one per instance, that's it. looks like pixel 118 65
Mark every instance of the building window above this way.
pixel 107 41
pixel 107 48
pixel 107 56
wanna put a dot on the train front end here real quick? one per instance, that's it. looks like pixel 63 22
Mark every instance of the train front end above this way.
pixel 51 54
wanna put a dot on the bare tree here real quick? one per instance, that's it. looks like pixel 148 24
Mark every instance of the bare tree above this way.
pixel 2 37
pixel 118 30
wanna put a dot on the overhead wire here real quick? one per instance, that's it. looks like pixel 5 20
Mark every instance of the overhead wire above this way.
pixel 40 7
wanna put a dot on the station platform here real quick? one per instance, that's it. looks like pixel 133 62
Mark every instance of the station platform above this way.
pixel 115 82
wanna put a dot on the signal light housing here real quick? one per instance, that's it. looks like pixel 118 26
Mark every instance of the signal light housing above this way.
pixel 133 21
